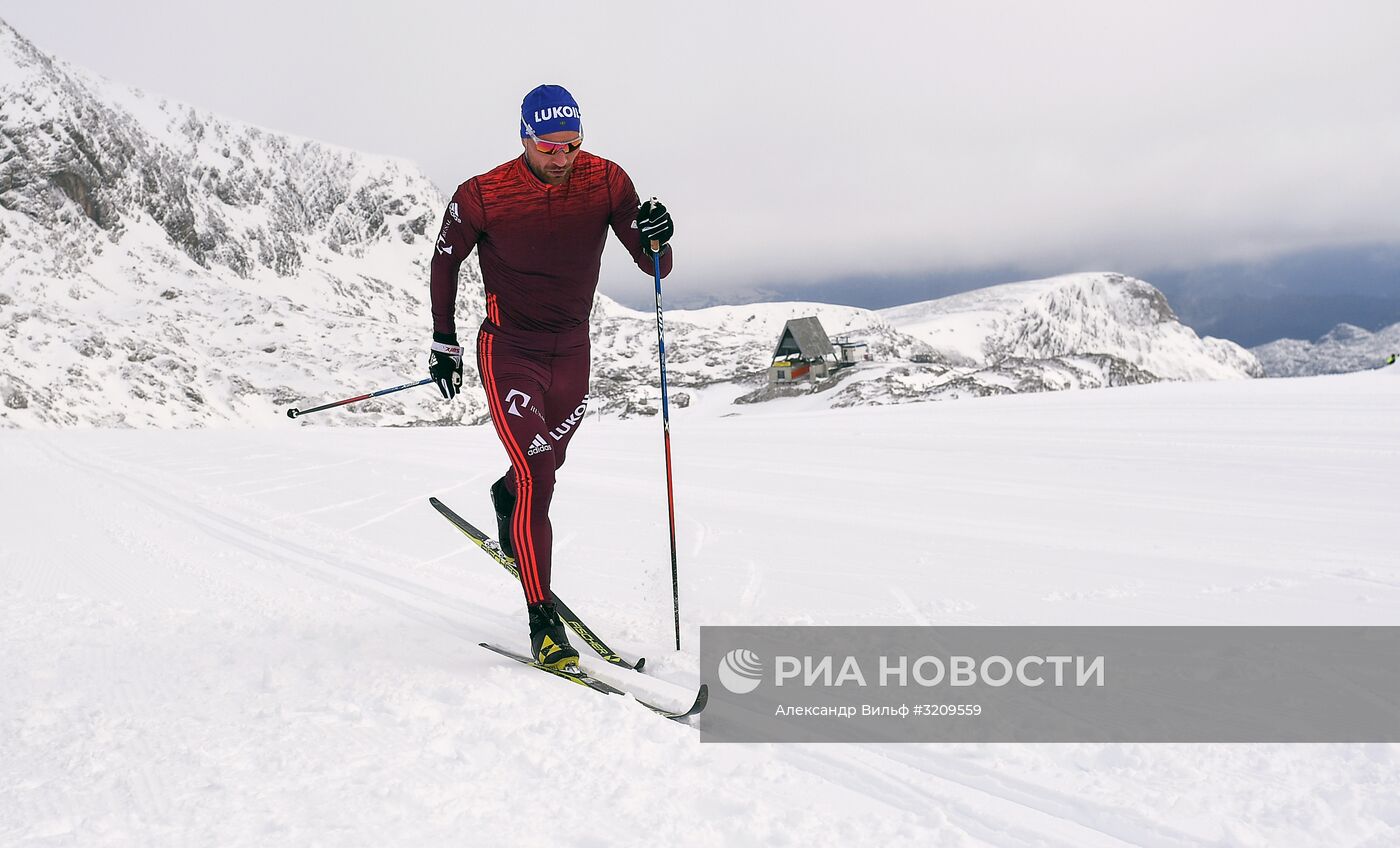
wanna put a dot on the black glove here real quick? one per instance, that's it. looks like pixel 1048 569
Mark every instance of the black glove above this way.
pixel 445 364
pixel 654 223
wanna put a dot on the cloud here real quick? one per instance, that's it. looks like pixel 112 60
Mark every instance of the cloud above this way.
pixel 806 141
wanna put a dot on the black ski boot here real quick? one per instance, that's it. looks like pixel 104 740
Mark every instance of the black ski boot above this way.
pixel 504 502
pixel 549 641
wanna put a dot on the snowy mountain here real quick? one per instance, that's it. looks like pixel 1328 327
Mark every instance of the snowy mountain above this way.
pixel 1344 348
pixel 1123 320
pixel 1090 330
pixel 727 345
pixel 163 266
pixel 1075 331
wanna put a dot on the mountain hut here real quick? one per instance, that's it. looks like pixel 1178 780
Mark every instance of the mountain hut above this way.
pixel 803 350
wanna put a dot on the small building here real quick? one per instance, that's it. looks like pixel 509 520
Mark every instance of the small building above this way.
pixel 803 351
pixel 850 352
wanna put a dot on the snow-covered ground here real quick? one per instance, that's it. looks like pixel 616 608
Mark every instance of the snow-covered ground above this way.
pixel 266 637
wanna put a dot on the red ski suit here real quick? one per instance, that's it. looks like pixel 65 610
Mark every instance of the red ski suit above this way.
pixel 540 247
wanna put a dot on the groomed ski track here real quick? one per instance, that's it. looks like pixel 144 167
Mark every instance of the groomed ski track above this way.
pixel 267 637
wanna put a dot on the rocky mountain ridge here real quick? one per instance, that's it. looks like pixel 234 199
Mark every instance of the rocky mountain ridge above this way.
pixel 1344 348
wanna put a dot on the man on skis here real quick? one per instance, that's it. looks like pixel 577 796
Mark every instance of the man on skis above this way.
pixel 539 223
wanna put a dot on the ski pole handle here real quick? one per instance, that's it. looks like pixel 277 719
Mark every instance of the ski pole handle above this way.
pixel 294 412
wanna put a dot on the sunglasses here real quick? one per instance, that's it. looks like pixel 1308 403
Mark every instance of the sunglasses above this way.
pixel 549 148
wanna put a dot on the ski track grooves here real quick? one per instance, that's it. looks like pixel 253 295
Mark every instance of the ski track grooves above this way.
pixel 899 778
pixel 1117 823
pixel 306 561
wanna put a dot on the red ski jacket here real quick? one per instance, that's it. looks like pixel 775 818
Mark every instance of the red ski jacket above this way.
pixel 540 246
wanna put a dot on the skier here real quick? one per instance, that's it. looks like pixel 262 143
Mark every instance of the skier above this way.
pixel 539 223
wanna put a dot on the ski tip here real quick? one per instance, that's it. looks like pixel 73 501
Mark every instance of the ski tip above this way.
pixel 641 661
pixel 702 697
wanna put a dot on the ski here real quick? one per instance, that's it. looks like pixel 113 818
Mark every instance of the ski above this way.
pixel 493 550
pixel 583 678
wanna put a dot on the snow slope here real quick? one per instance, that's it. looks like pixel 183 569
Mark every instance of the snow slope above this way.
pixel 266 637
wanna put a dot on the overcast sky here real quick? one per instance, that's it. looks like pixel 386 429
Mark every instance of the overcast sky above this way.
pixel 796 142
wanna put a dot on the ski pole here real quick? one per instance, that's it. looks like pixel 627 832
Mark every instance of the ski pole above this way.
pixel 666 430
pixel 294 412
